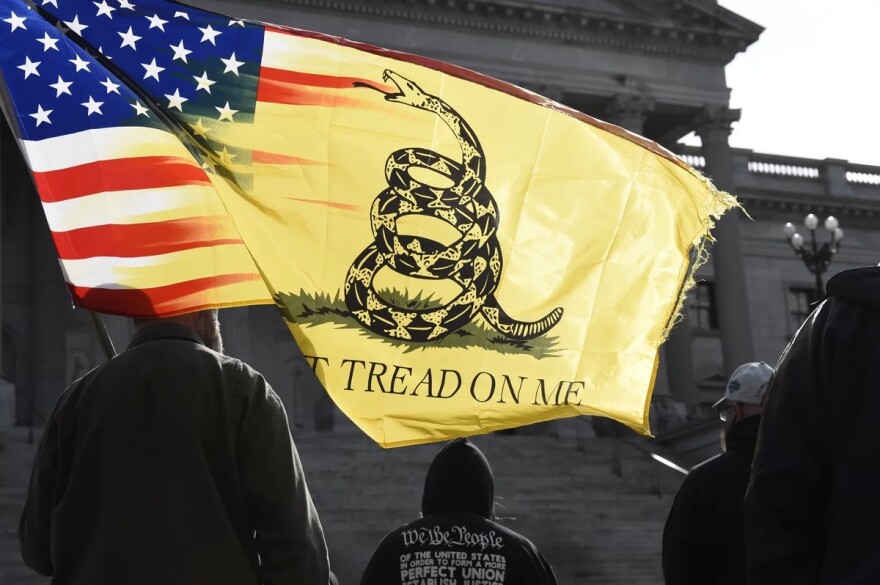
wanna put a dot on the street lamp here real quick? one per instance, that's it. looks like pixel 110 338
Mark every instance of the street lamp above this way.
pixel 816 258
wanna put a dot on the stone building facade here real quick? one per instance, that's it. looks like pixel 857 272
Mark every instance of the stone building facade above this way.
pixel 655 67
pixel 773 190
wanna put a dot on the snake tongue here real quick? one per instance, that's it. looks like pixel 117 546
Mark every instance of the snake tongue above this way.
pixel 387 77
pixel 373 87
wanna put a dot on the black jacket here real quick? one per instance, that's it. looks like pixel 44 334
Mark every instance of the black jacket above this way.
pixel 703 539
pixel 813 506
pixel 170 464
pixel 455 542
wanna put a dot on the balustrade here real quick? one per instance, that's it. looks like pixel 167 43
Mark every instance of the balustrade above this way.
pixel 840 177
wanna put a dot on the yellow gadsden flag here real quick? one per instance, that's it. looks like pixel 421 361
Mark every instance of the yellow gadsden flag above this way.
pixel 453 254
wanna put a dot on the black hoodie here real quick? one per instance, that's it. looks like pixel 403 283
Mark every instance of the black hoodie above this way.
pixel 455 542
pixel 812 507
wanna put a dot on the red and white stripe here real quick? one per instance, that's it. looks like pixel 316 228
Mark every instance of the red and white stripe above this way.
pixel 139 227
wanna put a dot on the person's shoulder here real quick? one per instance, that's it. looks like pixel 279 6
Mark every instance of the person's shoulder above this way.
pixel 231 366
pixel 173 351
pixel 707 467
pixel 528 558
pixel 186 355
pixel 401 529
pixel 705 474
pixel 247 371
pixel 511 535
pixel 70 394
pixel 253 382
pixel 716 471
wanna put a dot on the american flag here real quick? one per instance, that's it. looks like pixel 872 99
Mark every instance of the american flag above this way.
pixel 162 138
pixel 118 107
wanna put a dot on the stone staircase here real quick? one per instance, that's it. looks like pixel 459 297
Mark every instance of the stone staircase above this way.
pixel 16 455
pixel 593 525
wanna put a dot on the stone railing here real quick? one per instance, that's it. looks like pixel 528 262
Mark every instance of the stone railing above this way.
pixel 771 167
pixel 863 175
pixel 695 160
pixel 794 175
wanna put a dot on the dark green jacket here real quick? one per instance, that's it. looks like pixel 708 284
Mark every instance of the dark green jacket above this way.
pixel 171 464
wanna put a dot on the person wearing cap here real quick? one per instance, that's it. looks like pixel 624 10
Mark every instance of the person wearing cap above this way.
pixel 813 505
pixel 457 541
pixel 703 542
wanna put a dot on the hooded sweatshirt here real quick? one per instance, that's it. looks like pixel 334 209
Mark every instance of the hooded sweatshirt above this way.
pixel 455 542
pixel 811 510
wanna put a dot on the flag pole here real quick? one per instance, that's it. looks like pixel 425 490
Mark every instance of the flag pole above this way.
pixel 103 335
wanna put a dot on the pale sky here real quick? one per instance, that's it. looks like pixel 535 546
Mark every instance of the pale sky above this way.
pixel 810 86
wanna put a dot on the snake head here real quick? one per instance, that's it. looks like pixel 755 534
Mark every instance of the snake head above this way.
pixel 408 92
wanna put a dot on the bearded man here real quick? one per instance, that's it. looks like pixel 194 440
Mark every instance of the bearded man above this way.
pixel 703 542
pixel 171 463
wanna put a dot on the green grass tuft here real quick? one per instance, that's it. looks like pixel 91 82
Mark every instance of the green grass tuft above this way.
pixel 309 309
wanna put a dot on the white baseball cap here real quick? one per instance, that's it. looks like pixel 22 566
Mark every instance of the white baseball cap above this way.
pixel 748 384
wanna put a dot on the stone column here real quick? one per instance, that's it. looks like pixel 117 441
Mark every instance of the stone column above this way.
pixel 713 128
pixel 629 111
pixel 680 362
pixel 834 175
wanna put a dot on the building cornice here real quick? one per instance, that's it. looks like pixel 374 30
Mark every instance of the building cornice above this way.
pixel 552 23
pixel 844 207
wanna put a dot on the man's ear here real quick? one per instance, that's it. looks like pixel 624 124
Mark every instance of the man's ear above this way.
pixel 739 410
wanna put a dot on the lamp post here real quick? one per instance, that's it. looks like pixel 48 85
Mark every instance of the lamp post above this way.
pixel 816 257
